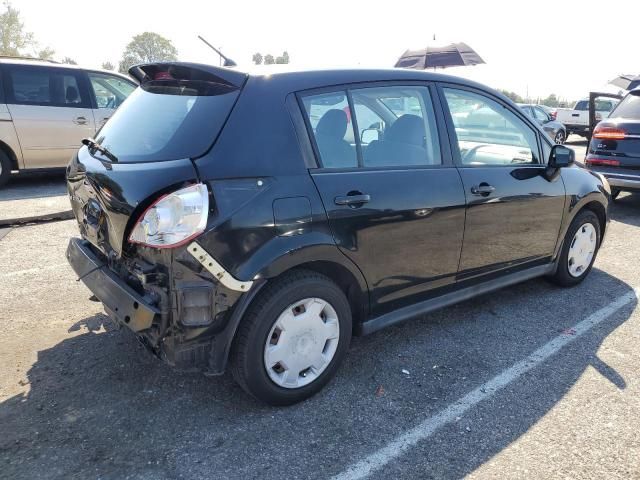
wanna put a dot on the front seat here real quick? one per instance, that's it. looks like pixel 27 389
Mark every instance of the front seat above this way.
pixel 403 144
pixel 72 95
pixel 335 151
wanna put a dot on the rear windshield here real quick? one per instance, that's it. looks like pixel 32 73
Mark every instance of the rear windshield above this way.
pixel 629 107
pixel 168 120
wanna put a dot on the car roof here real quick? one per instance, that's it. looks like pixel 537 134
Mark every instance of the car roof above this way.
pixel 294 78
pixel 4 60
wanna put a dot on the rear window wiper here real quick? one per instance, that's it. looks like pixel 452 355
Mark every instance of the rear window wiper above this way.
pixel 95 146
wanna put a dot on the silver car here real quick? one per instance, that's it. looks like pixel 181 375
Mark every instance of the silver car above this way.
pixel 47 108
pixel 556 130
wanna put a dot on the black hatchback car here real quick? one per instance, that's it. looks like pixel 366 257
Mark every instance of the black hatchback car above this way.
pixel 260 220
pixel 614 150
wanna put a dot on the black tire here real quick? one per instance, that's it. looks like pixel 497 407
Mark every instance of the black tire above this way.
pixel 5 168
pixel 562 276
pixel 247 353
pixel 561 137
pixel 615 192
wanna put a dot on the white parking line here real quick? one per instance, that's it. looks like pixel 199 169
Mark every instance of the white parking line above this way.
pixel 424 430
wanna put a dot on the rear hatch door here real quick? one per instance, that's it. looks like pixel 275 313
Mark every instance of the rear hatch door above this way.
pixel 619 135
pixel 174 117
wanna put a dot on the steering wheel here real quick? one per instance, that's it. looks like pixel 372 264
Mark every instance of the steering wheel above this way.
pixel 469 154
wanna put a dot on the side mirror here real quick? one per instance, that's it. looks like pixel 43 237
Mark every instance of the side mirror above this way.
pixel 561 156
pixel 369 135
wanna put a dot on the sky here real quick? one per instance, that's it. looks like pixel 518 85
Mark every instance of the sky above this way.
pixel 540 47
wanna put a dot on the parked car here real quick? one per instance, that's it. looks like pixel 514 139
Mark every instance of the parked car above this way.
pixel 551 111
pixel 226 225
pixel 614 150
pixel 576 120
pixel 46 108
pixel 556 130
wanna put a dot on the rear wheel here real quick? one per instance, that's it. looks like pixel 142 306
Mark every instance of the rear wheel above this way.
pixel 292 339
pixel 561 137
pixel 5 168
pixel 579 249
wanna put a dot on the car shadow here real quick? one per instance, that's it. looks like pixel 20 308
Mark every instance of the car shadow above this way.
pixel 625 209
pixel 576 141
pixel 98 405
pixel 34 185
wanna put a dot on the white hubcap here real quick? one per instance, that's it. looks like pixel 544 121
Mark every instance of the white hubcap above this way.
pixel 582 249
pixel 301 343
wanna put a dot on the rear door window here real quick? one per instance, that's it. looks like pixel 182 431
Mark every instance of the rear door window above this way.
pixel 45 86
pixel 330 119
pixel 110 91
pixel 168 120
pixel 389 126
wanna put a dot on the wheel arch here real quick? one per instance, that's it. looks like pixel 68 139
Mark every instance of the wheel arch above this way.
pixel 324 259
pixel 13 158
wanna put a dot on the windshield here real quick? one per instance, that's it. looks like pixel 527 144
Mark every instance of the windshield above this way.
pixel 168 120
pixel 629 107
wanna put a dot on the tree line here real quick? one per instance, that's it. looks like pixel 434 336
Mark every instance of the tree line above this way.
pixel 552 100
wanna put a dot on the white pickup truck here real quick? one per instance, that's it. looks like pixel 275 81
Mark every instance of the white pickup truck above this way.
pixel 577 119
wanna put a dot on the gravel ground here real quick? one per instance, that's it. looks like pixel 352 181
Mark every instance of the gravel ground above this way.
pixel 79 398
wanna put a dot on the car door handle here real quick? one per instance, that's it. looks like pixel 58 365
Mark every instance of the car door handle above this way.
pixel 482 189
pixel 80 120
pixel 352 200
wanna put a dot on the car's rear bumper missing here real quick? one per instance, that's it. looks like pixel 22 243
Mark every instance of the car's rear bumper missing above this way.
pixel 121 301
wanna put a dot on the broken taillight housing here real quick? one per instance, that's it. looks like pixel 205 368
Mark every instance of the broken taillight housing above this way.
pixel 173 219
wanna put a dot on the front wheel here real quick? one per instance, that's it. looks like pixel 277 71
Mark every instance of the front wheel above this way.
pixel 292 338
pixel 579 249
pixel 561 137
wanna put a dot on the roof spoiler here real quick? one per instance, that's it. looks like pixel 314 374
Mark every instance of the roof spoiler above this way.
pixel 189 71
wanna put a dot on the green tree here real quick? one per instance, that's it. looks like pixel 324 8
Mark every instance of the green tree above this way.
pixel 551 101
pixel 257 58
pixel 108 66
pixel 69 60
pixel 15 41
pixel 147 47
pixel 512 95
pixel 284 58
pixel 268 59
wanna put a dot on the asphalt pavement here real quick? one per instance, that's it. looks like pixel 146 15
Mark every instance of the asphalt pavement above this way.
pixel 533 381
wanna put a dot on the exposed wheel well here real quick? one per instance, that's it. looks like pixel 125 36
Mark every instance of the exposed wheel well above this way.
pixel 598 209
pixel 347 283
pixel 11 154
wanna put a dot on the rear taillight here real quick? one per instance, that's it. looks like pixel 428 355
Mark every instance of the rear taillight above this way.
pixel 608 133
pixel 602 162
pixel 173 219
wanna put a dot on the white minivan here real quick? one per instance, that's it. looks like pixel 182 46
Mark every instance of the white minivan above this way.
pixel 47 108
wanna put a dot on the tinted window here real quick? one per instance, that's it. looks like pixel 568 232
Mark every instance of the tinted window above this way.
pixel 601 105
pixel 42 86
pixel 330 120
pixel 629 107
pixel 407 136
pixel 110 91
pixel 168 120
pixel 488 133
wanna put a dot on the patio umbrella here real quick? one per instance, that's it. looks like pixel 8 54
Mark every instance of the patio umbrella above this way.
pixel 452 55
pixel 626 82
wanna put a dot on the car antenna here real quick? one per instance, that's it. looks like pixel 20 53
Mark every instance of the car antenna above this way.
pixel 227 61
